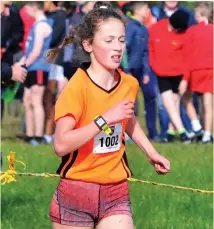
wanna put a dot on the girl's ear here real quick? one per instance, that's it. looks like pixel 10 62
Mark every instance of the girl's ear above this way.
pixel 87 46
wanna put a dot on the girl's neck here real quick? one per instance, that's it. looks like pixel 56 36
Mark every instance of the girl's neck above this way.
pixel 101 76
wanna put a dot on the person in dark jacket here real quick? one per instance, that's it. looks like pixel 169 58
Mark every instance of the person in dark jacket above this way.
pixel 138 65
pixel 8 72
pixel 12 34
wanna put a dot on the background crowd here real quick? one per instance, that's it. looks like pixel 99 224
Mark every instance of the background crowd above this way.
pixel 169 50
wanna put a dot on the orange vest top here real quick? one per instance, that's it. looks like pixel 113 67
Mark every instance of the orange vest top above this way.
pixel 102 160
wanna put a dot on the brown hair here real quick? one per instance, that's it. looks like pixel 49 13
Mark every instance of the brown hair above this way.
pixel 85 31
pixel 205 9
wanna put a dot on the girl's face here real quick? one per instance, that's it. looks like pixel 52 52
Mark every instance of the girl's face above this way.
pixel 108 44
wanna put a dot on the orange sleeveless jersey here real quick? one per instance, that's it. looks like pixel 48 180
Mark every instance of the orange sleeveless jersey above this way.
pixel 103 159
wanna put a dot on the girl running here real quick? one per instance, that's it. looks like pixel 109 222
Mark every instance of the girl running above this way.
pixel 92 114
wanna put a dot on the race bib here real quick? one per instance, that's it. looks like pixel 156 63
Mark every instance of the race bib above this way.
pixel 104 143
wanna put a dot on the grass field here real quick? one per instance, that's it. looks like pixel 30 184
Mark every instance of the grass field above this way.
pixel 25 204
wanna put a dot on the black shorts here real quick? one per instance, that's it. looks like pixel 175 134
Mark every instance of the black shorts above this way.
pixel 36 78
pixel 169 83
pixel 69 70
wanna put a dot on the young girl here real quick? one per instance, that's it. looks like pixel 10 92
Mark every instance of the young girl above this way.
pixel 37 44
pixel 92 114
pixel 199 58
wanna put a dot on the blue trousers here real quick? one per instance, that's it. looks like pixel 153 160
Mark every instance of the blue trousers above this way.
pixel 149 93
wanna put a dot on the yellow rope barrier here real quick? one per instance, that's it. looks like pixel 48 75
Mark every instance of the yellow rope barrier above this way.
pixel 10 176
pixel 172 186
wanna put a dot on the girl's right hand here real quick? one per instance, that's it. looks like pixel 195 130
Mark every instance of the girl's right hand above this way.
pixel 122 110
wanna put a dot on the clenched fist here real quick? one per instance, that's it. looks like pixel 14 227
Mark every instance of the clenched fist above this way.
pixel 122 110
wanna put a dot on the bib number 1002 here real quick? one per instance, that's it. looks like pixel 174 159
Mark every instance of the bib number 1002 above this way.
pixel 109 141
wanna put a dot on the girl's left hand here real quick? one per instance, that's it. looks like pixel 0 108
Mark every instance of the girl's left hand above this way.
pixel 161 164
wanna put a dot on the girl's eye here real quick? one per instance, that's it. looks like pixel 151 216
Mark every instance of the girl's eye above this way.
pixel 122 41
pixel 109 41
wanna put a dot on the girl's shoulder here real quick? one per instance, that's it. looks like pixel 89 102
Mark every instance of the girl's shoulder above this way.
pixel 128 78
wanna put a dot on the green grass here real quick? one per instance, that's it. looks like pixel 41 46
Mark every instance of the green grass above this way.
pixel 25 204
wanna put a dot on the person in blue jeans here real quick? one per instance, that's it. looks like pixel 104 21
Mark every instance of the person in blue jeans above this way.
pixel 138 66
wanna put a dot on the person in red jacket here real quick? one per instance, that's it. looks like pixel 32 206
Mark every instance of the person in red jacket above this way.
pixel 199 62
pixel 166 59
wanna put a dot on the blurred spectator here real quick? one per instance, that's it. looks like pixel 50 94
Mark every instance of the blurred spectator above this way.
pixel 5 8
pixel 125 6
pixel 138 66
pixel 12 34
pixel 199 71
pixel 84 8
pixel 69 70
pixel 78 54
pixel 167 8
pixel 37 44
pixel 161 11
pixel 69 8
pixel 8 72
pixel 166 58
pixel 56 80
pixel 28 23
pixel 149 20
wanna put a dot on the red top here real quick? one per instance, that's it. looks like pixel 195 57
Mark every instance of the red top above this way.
pixel 166 54
pixel 199 48
pixel 28 22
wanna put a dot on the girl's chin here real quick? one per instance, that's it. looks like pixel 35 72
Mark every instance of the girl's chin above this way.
pixel 112 66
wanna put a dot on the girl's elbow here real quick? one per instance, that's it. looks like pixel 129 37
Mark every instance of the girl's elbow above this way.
pixel 59 149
